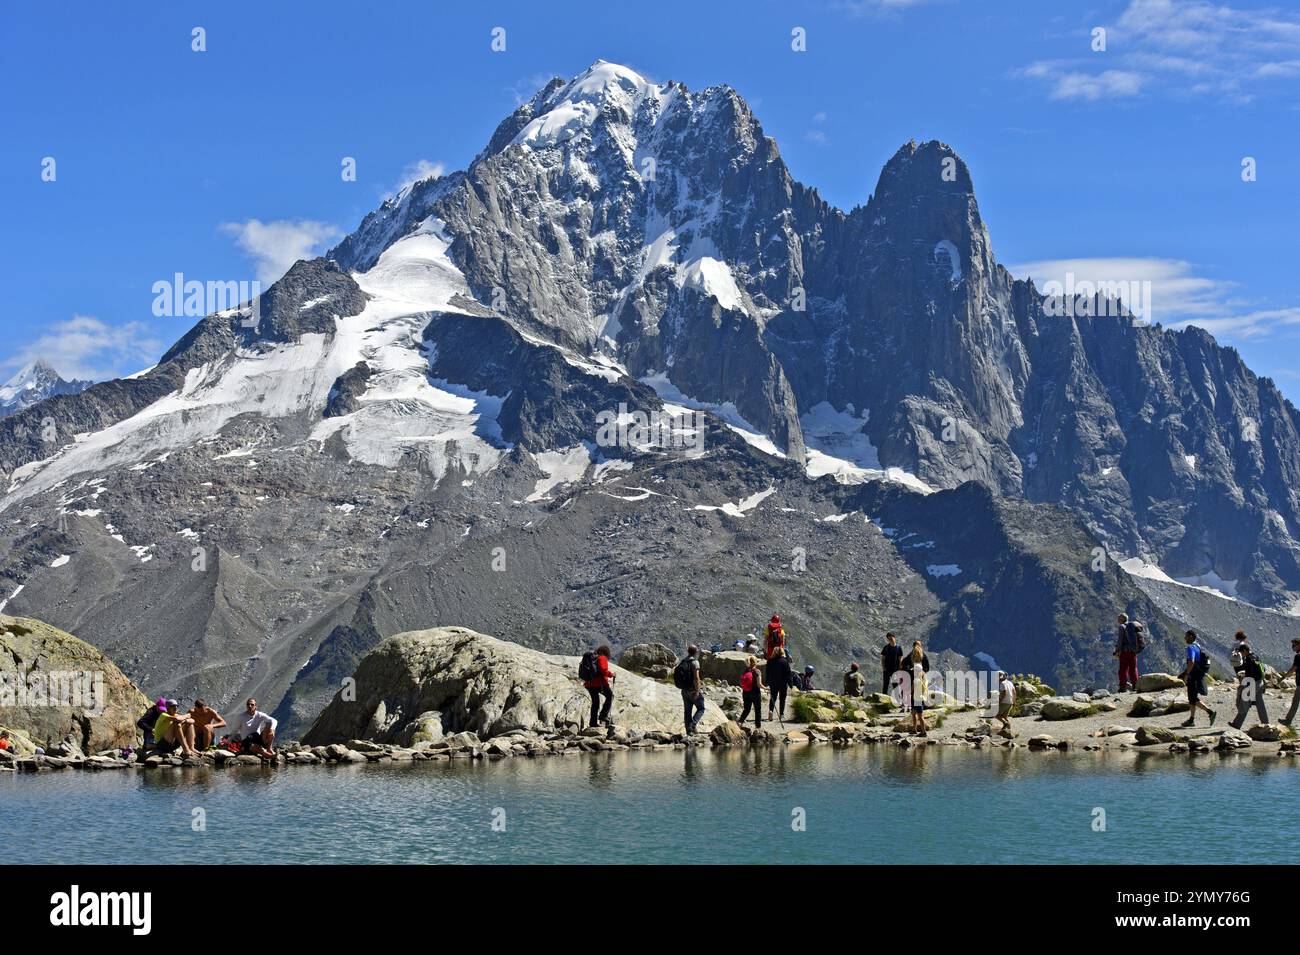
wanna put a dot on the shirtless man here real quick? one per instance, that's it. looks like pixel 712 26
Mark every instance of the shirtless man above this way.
pixel 206 721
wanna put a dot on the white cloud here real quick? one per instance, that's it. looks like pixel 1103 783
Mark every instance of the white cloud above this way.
pixel 1159 45
pixel 275 246
pixel 1067 83
pixel 1177 297
pixel 87 348
pixel 418 171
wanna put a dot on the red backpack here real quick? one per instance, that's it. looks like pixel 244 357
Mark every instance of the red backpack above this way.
pixel 747 681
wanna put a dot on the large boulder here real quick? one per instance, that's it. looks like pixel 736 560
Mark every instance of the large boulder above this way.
pixel 649 659
pixel 1064 708
pixel 487 686
pixel 1155 682
pixel 61 692
pixel 728 665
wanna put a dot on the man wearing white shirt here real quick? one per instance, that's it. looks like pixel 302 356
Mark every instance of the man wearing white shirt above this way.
pixel 1006 700
pixel 256 730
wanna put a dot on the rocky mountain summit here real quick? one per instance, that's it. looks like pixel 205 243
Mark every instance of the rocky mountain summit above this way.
pixel 33 383
pixel 624 378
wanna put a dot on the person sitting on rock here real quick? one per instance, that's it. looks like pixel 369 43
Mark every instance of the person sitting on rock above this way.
pixel 147 721
pixel 806 683
pixel 751 645
pixel 599 686
pixel 174 730
pixel 1006 700
pixel 5 744
pixel 206 722
pixel 854 681
pixel 255 731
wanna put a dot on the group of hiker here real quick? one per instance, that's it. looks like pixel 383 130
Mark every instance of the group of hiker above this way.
pixel 904 676
pixel 777 676
pixel 167 731
pixel 1130 641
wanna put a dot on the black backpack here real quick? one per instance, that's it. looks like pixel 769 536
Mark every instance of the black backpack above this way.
pixel 589 669
pixel 684 674
pixel 1202 665
pixel 1136 638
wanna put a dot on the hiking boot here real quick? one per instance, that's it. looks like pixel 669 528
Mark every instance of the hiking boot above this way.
pixel 1191 722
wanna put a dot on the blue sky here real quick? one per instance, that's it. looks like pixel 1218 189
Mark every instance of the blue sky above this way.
pixel 1123 164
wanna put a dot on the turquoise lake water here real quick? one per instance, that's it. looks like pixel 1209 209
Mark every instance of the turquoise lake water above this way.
pixel 865 804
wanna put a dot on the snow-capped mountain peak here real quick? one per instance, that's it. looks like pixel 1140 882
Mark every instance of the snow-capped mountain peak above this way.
pixel 35 382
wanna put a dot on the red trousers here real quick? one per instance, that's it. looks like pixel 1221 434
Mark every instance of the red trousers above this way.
pixel 1128 669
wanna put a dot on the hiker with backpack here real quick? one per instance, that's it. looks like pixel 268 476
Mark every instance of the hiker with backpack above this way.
pixel 891 657
pixel 1250 687
pixel 1293 672
pixel 779 680
pixel 686 677
pixel 774 642
pixel 595 676
pixel 854 681
pixel 751 692
pixel 1198 665
pixel 1130 640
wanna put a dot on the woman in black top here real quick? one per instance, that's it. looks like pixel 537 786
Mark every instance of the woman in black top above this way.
pixel 778 681
pixel 1295 672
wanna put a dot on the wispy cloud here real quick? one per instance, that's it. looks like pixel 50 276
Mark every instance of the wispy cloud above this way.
pixel 1068 83
pixel 1187 47
pixel 1178 295
pixel 275 246
pixel 86 347
pixel 525 88
pixel 417 171
pixel 816 135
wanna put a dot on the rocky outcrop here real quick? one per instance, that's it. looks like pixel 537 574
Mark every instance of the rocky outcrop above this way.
pixel 479 684
pixel 649 659
pixel 56 689
pixel 1155 682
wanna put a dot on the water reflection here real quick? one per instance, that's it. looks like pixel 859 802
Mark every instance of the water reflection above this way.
pixel 543 809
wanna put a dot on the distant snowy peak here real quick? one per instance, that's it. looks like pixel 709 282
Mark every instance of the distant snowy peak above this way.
pixel 34 383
